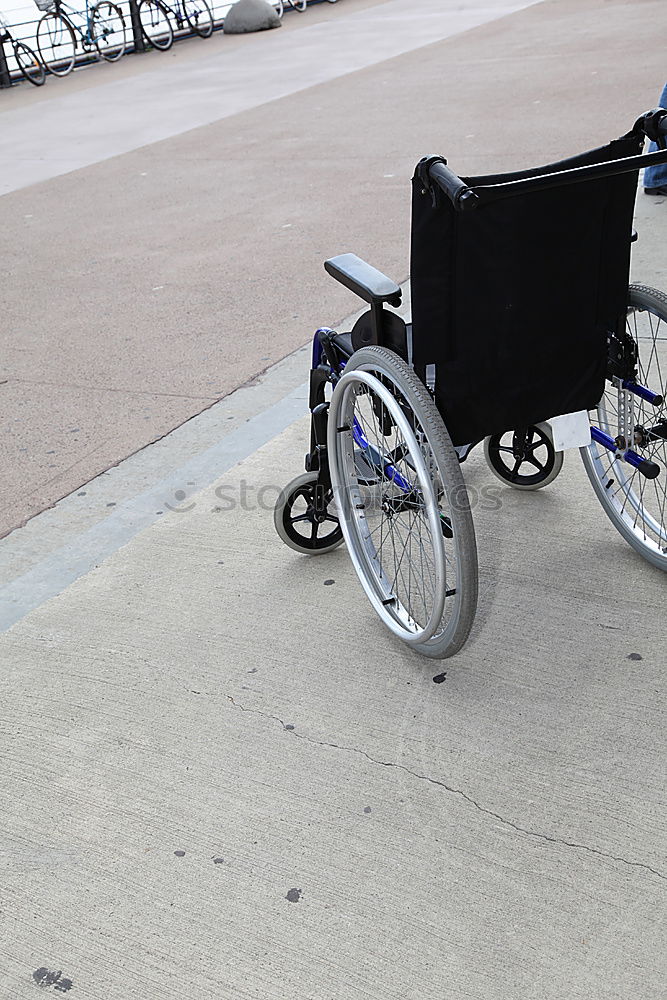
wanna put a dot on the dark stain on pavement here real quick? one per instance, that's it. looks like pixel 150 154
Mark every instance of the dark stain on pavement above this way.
pixel 289 726
pixel 45 978
pixel 440 678
pixel 294 895
pixel 179 854
pixel 367 809
pixel 328 583
pixel 635 656
pixel 218 861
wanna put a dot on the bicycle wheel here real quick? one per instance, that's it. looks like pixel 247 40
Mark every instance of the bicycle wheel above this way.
pixel 279 6
pixel 199 17
pixel 155 24
pixel 29 64
pixel 107 26
pixel 298 522
pixel 525 459
pixel 56 44
pixel 637 506
pixel 408 527
pixel 299 5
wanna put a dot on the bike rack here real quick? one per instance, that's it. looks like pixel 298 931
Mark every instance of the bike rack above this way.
pixel 137 33
pixel 5 75
pixel 138 40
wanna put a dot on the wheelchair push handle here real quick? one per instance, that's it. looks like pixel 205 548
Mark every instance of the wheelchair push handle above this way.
pixel 654 125
pixel 433 170
pixel 434 174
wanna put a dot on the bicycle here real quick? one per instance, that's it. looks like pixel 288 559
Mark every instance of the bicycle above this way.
pixel 58 33
pixel 156 23
pixel 525 335
pixel 27 61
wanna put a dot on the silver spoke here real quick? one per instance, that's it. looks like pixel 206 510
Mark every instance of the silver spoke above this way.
pixel 392 466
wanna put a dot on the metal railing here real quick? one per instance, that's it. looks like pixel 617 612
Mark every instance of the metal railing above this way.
pixel 24 29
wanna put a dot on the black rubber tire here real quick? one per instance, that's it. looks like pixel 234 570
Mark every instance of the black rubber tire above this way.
pixel 148 10
pixel 29 63
pixel 105 9
pixel 46 28
pixel 201 19
pixel 462 601
pixel 535 478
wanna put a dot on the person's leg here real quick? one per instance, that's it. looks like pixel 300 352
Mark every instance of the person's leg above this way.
pixel 655 178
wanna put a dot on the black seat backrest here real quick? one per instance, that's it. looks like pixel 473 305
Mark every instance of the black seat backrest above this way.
pixel 513 301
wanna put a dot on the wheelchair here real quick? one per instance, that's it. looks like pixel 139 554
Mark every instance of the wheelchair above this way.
pixel 525 337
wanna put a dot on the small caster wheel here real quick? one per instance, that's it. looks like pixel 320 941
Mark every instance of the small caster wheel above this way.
pixel 299 524
pixel 524 459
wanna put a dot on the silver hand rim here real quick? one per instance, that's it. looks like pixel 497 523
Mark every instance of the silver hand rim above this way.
pixel 360 545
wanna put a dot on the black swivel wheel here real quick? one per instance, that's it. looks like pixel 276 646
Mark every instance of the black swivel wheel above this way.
pixel 524 459
pixel 299 522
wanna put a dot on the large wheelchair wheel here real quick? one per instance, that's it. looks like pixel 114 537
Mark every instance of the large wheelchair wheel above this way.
pixel 637 506
pixel 408 527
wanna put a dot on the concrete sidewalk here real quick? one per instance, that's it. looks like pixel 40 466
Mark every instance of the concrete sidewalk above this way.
pixel 221 776
pixel 209 729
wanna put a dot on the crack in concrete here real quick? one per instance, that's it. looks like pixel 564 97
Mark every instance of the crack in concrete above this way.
pixel 453 791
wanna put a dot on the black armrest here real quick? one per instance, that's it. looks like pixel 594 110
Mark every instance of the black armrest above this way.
pixel 365 281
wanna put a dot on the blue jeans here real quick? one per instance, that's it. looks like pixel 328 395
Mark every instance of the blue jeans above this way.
pixel 655 177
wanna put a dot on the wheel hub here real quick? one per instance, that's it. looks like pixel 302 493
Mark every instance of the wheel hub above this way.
pixel 392 505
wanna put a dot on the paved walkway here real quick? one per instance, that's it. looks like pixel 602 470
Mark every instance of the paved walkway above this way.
pixel 195 261
pixel 221 778
pixel 228 76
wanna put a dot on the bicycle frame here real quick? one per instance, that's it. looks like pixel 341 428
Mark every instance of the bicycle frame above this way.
pixel 333 370
pixel 178 12
pixel 21 48
pixel 67 12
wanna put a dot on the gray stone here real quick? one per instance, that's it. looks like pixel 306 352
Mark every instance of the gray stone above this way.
pixel 251 15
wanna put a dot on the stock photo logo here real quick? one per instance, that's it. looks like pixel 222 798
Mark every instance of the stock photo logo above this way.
pixel 182 507
pixel 252 497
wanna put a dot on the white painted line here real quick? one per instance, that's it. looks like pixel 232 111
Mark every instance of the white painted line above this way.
pixel 87 550
pixel 65 542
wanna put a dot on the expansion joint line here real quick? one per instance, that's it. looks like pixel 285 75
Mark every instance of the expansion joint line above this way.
pixel 453 791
